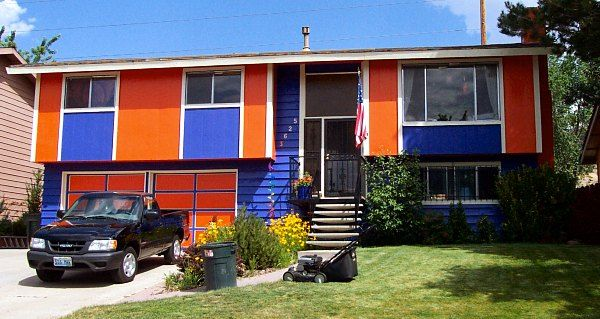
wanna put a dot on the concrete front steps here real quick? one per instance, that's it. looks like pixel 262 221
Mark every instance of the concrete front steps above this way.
pixel 334 224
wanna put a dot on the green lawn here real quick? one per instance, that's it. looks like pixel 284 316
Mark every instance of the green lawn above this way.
pixel 471 281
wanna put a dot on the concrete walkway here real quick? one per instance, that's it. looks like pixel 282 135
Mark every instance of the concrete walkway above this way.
pixel 23 295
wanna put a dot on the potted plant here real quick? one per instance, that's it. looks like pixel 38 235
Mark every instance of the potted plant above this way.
pixel 303 186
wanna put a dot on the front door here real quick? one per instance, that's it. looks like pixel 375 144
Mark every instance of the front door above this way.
pixel 330 156
pixel 329 118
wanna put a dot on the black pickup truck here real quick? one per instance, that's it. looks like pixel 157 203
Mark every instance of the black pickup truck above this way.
pixel 107 232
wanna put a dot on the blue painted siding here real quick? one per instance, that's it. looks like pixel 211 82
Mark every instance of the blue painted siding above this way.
pixel 473 212
pixel 211 133
pixel 453 139
pixel 87 136
pixel 254 183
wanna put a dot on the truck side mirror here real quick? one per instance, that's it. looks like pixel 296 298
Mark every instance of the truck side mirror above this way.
pixel 151 214
pixel 60 213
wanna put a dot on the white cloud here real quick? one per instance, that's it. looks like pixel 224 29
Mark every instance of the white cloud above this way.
pixel 10 17
pixel 469 11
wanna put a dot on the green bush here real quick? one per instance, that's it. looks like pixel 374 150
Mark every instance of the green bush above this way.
pixel 535 203
pixel 258 247
pixel 183 280
pixel 458 228
pixel 434 231
pixel 486 232
pixel 394 201
pixel 34 192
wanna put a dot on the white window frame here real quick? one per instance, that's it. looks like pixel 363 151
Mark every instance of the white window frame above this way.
pixel 428 165
pixel 115 108
pixel 185 106
pixel 89 108
pixel 211 104
pixel 466 63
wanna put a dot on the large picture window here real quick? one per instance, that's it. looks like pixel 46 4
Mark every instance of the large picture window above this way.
pixel 216 87
pixel 90 92
pixel 475 182
pixel 441 93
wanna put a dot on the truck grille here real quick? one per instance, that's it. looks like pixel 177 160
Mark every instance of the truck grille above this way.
pixel 66 246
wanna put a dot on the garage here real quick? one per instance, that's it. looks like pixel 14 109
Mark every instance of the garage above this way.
pixel 208 195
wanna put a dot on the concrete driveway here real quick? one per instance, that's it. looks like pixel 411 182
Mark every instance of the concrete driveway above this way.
pixel 23 295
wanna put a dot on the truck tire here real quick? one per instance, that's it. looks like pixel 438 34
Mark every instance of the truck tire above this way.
pixel 49 275
pixel 127 267
pixel 173 254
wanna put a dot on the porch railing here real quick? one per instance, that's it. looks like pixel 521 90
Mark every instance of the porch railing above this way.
pixel 344 174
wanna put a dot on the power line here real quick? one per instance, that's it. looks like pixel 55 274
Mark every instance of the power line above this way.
pixel 246 15
pixel 270 44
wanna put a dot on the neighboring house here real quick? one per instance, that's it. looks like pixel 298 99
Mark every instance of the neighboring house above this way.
pixel 590 153
pixel 201 132
pixel 16 115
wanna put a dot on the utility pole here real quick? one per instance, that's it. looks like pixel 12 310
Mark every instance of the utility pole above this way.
pixel 482 18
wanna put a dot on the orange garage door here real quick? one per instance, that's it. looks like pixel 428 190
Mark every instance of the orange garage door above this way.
pixel 79 184
pixel 208 196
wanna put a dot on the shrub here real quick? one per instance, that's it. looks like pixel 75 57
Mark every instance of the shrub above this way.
pixel 486 232
pixel 183 280
pixel 434 231
pixel 458 228
pixel 258 247
pixel 395 195
pixel 291 231
pixel 34 192
pixel 536 203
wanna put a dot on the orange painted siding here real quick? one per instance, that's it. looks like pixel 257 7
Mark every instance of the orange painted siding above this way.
pixel 255 110
pixel 383 107
pixel 149 110
pixel 547 155
pixel 519 106
pixel 48 117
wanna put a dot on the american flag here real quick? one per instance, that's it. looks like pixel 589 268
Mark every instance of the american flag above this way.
pixel 360 129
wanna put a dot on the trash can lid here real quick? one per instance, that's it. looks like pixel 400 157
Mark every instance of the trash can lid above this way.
pixel 218 245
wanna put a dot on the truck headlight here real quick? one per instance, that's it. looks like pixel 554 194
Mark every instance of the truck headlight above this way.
pixel 37 243
pixel 103 245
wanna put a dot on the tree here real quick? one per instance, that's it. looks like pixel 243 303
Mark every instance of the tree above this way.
pixel 570 112
pixel 39 54
pixel 571 26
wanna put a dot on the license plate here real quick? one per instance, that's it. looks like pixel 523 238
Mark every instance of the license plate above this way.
pixel 63 262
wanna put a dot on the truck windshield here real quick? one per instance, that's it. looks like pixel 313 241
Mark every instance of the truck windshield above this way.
pixel 109 206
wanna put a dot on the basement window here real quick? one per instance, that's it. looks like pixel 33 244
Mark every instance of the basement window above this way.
pixel 90 92
pixel 460 182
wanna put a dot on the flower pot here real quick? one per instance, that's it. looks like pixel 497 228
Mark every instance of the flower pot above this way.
pixel 304 192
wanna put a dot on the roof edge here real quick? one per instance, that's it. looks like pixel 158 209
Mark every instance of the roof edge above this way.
pixel 284 57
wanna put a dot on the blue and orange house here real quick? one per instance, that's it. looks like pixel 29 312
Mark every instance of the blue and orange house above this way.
pixel 213 133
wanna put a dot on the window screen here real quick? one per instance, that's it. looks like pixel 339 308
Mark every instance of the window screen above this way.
pixel 331 94
pixel 86 92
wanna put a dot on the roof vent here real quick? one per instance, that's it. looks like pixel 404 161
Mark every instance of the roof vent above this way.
pixel 306 33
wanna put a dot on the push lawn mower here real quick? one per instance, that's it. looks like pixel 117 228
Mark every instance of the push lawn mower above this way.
pixel 341 267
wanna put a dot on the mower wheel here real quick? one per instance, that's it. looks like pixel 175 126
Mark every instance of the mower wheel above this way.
pixel 288 276
pixel 320 278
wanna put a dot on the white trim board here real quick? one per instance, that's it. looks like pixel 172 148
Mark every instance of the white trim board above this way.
pixel 34 124
pixel 366 145
pixel 269 114
pixel 537 104
pixel 290 57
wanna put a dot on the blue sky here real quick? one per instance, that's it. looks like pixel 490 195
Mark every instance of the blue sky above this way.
pixel 140 28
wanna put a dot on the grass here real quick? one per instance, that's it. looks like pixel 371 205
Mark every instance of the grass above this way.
pixel 470 281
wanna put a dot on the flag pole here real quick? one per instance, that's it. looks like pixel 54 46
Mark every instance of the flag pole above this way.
pixel 482 17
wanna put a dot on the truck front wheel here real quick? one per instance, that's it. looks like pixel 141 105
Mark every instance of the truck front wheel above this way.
pixel 127 268
pixel 49 275
pixel 173 254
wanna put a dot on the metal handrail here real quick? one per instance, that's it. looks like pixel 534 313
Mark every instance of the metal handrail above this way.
pixel 358 188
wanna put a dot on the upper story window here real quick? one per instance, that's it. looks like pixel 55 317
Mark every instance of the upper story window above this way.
pixel 460 182
pixel 90 92
pixel 435 93
pixel 215 87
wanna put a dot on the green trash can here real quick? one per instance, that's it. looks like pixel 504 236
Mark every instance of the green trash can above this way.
pixel 219 265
